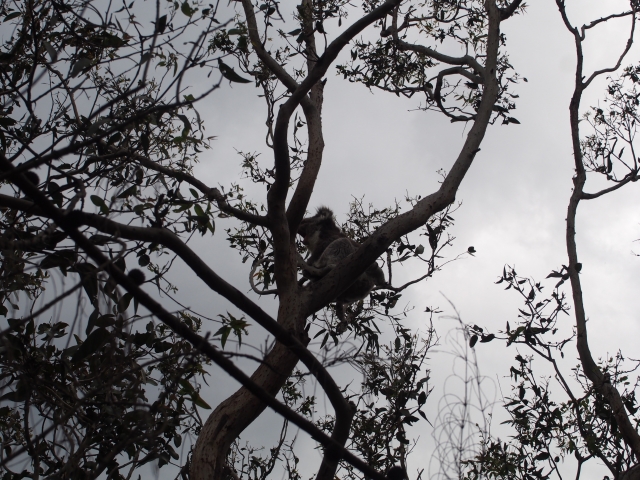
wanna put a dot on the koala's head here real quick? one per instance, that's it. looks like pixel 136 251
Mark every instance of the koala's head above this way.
pixel 317 228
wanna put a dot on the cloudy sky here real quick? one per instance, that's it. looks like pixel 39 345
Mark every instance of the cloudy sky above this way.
pixel 514 197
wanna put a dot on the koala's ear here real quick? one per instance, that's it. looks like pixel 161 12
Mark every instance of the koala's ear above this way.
pixel 324 213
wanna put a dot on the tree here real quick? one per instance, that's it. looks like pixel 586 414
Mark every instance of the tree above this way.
pixel 97 103
pixel 594 416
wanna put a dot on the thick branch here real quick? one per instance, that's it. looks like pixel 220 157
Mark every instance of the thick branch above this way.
pixel 345 273
pixel 283 234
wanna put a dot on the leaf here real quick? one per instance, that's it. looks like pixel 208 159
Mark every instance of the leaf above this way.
pixel 99 202
pixel 7 122
pixel 144 260
pixel 513 120
pixel 198 209
pixel 53 54
pixel 186 9
pixel 63 259
pixel 197 400
pixel 89 276
pixel 11 16
pixel 161 25
pixel 295 32
pixel 18 396
pixel 93 343
pixel 128 192
pixel 80 65
pixel 487 338
pixel 224 334
pixel 100 239
pixel 230 74
pixel 473 340
pixel 234 31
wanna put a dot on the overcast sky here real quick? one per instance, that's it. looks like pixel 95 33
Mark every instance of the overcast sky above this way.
pixel 514 197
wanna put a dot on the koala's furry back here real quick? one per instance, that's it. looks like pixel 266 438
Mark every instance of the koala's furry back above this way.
pixel 335 251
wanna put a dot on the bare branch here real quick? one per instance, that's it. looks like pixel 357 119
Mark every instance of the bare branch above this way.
pixel 603 20
pixel 622 183
pixel 254 267
pixel 627 47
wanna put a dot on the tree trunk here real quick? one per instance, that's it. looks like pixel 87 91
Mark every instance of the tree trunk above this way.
pixel 236 413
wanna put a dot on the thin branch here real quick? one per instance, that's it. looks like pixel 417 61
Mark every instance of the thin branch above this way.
pixel 604 19
pixel 622 55
pixel 254 267
pixel 623 182
pixel 212 193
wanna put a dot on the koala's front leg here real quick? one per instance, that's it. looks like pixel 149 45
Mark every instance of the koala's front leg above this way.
pixel 317 272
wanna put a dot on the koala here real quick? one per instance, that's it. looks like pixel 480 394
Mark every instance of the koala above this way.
pixel 328 245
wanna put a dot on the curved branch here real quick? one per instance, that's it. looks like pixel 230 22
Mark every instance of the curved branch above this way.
pixel 627 47
pixel 254 36
pixel 402 287
pixel 438 97
pixel 623 182
pixel 278 191
pixel 601 382
pixel 603 20
pixel 252 273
